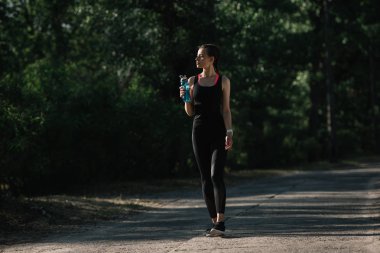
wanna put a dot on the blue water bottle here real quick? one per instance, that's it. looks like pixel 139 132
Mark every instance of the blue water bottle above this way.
pixel 185 84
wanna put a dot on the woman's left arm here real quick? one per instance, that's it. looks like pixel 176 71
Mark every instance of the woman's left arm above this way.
pixel 226 86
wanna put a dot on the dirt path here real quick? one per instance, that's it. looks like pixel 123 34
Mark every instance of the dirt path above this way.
pixel 319 211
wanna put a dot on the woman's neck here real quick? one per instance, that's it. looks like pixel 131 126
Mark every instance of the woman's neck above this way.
pixel 210 71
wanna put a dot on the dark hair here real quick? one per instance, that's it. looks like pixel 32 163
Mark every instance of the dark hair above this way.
pixel 212 50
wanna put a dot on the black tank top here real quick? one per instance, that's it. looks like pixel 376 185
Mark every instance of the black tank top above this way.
pixel 208 99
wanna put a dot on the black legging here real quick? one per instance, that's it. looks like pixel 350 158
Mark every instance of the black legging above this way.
pixel 210 154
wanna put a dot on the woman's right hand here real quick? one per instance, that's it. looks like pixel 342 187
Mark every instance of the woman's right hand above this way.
pixel 181 91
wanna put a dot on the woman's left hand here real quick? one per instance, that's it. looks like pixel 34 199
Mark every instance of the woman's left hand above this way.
pixel 228 144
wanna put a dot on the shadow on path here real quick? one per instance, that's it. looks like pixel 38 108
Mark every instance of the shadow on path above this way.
pixel 328 203
pixel 341 207
pixel 338 203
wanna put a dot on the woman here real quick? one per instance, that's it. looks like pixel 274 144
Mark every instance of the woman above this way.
pixel 212 131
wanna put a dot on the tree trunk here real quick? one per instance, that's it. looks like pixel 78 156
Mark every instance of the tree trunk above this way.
pixel 315 84
pixel 59 42
pixel 330 99
pixel 372 98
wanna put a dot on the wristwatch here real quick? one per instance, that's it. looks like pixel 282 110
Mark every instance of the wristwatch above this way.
pixel 230 132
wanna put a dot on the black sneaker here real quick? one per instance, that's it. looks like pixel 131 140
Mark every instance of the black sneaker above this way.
pixel 207 231
pixel 218 229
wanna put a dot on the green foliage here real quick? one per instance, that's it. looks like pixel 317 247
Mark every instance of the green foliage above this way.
pixel 271 83
pixel 89 89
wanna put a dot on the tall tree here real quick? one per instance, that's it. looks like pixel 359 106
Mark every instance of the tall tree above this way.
pixel 330 97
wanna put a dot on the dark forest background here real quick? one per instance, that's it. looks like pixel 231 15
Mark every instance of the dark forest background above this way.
pixel 89 89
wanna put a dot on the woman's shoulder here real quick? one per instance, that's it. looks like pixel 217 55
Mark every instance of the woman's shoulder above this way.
pixel 225 80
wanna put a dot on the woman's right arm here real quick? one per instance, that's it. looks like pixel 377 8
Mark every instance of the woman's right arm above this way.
pixel 189 108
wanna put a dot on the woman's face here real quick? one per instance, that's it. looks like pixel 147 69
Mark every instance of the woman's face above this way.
pixel 203 60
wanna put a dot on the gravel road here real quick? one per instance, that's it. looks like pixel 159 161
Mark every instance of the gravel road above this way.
pixel 315 211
